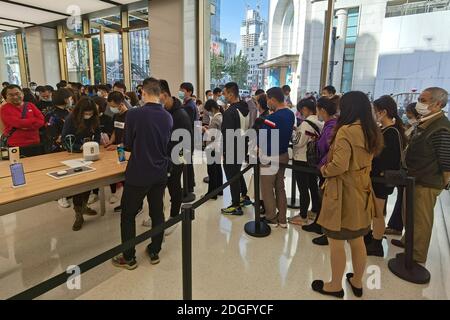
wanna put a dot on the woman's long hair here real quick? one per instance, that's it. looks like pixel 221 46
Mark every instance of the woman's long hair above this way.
pixel 86 104
pixel 388 103
pixel 354 106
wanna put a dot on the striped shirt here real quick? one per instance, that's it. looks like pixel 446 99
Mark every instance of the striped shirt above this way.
pixel 441 145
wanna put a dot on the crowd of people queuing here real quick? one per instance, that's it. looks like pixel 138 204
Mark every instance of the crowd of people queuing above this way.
pixel 347 138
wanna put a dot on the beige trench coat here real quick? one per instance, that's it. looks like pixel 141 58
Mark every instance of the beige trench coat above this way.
pixel 349 200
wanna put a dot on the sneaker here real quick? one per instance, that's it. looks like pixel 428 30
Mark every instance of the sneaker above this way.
pixel 313 228
pixel 233 211
pixel 147 223
pixel 298 221
pixel 113 199
pixel 120 262
pixel 272 224
pixel 246 202
pixel 64 203
pixel 283 225
pixel 375 248
pixel 321 241
pixel 154 257
pixel 93 198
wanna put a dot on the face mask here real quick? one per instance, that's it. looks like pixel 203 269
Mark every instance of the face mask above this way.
pixel 210 98
pixel 223 99
pixel 33 88
pixel 114 110
pixel 47 99
pixel 99 94
pixel 422 109
pixel 181 95
pixel 69 104
pixel 87 117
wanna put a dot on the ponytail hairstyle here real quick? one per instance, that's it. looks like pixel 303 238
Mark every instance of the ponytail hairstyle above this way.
pixel 388 103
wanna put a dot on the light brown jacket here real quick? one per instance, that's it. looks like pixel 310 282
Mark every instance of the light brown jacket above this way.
pixel 348 201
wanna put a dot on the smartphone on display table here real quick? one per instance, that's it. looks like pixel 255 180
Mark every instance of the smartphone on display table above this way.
pixel 121 154
pixel 18 175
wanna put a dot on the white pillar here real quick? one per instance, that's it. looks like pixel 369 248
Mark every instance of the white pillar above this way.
pixel 341 33
pixel 43 56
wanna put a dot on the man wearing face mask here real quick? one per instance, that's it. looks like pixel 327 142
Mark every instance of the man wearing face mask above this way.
pixel 45 103
pixel 56 117
pixel 186 96
pixel 428 160
pixel 181 121
pixel 22 122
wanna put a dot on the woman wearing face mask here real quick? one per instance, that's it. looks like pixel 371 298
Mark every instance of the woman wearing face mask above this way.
pixel 80 126
pixel 396 225
pixel 386 112
pixel 326 110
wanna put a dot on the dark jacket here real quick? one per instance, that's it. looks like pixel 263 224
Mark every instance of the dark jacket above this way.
pixel 191 109
pixel 422 158
pixel 232 121
pixel 80 137
pixel 147 134
pixel 181 120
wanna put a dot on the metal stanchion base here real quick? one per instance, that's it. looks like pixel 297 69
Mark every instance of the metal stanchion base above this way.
pixel 293 204
pixel 417 274
pixel 264 229
pixel 189 198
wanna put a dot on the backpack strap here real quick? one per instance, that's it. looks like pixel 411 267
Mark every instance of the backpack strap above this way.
pixel 314 126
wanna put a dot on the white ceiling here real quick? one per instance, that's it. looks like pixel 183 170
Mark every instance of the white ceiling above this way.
pixel 14 12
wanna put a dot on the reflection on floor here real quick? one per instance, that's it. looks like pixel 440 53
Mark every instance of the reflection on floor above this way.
pixel 38 243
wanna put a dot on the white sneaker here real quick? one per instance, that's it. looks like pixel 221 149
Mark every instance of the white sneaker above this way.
pixel 93 198
pixel 283 225
pixel 171 230
pixel 113 199
pixel 147 223
pixel 272 224
pixel 64 203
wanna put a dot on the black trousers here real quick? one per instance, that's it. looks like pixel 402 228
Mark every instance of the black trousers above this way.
pixel 81 200
pixel 215 175
pixel 190 173
pixel 132 199
pixel 237 188
pixel 175 190
pixel 396 221
pixel 307 183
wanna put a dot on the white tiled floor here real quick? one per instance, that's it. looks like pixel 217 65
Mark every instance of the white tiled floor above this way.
pixel 38 243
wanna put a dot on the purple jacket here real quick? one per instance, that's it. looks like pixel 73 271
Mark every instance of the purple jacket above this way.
pixel 325 140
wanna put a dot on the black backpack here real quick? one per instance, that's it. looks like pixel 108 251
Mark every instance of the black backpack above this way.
pixel 312 149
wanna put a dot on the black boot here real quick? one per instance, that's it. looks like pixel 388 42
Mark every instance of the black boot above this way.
pixel 375 248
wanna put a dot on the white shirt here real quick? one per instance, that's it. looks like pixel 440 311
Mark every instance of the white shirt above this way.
pixel 300 139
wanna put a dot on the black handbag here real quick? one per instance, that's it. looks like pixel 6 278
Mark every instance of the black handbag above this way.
pixel 397 177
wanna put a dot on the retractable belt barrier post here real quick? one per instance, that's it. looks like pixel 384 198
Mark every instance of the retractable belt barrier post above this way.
pixel 293 201
pixel 257 228
pixel 188 215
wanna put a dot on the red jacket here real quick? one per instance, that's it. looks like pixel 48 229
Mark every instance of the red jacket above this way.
pixel 27 132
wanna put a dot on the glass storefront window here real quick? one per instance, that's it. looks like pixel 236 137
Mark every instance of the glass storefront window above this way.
pixel 9 60
pixel 78 61
pixel 140 56
pixel 114 57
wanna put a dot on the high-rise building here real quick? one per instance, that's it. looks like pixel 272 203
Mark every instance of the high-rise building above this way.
pixel 252 28
pixel 254 46
pixel 215 19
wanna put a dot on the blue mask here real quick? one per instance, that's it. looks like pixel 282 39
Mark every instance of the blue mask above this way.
pixel 181 95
